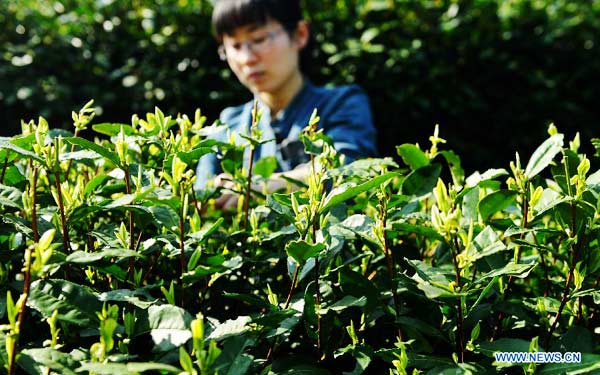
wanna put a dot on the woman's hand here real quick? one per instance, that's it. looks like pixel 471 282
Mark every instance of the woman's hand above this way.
pixel 229 198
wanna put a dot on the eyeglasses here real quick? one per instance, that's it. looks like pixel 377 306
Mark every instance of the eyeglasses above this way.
pixel 257 44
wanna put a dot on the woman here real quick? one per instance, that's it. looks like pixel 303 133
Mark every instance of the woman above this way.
pixel 262 41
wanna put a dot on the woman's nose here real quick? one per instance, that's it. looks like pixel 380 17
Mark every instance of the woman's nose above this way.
pixel 246 54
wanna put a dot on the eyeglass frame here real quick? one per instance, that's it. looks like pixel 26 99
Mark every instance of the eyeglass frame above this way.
pixel 251 43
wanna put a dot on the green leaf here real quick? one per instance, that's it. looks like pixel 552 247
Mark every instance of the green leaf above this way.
pixel 431 280
pixel 344 303
pixel 590 365
pixel 470 201
pixel 363 168
pixel 543 155
pixel 11 197
pixel 302 250
pixel 487 243
pixel 348 190
pixel 104 152
pixel 476 178
pixel 412 156
pixel 131 296
pixel 185 360
pixel 421 181
pixel 496 201
pixel 234 359
pixel 13 176
pixel 80 155
pixel 207 146
pixel 112 129
pixel 83 257
pixel 415 360
pixel 315 147
pixel 165 216
pixel 131 368
pixel 483 294
pixel 76 304
pixel 576 339
pixel 230 328
pixel 95 183
pixel 207 230
pixel 250 299
pixel 265 167
pixel 418 324
pixel 32 361
pixel 363 356
pixel 20 151
pixel 295 366
pixel 417 229
pixel 281 206
pixel 211 130
pixel 511 269
pixel 453 160
pixel 169 326
pixel 502 345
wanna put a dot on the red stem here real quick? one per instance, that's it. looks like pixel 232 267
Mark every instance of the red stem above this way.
pixel 182 256
pixel 248 189
pixel 63 220
pixel 459 320
pixel 389 261
pixel 4 168
pixel 131 224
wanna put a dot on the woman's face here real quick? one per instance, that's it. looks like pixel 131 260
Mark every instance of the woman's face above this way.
pixel 264 58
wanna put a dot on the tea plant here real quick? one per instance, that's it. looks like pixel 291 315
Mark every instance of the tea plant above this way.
pixel 110 262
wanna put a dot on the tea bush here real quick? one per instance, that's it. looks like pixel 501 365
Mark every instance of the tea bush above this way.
pixel 110 262
pixel 481 69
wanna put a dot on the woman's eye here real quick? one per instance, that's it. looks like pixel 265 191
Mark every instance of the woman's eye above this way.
pixel 236 46
pixel 259 40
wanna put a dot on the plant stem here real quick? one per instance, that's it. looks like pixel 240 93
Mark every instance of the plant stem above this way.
pixel 26 286
pixel 182 255
pixel 545 268
pixel 525 220
pixel 71 160
pixel 287 304
pixel 509 282
pixel 151 268
pixel 250 163
pixel 459 320
pixel 131 222
pixel 574 254
pixel 317 272
pixel 318 297
pixel 565 296
pixel 248 189
pixel 389 259
pixel 289 297
pixel 34 228
pixel 4 168
pixel 196 206
pixel 63 220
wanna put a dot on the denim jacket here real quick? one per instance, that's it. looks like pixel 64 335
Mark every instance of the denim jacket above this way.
pixel 345 116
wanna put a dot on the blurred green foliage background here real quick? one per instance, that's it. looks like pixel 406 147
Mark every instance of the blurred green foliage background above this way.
pixel 492 73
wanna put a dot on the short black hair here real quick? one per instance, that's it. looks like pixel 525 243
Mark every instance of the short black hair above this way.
pixel 229 15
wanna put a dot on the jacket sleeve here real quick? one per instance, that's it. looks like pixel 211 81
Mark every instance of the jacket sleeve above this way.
pixel 205 170
pixel 349 123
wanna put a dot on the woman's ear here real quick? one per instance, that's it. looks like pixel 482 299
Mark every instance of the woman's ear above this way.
pixel 302 34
